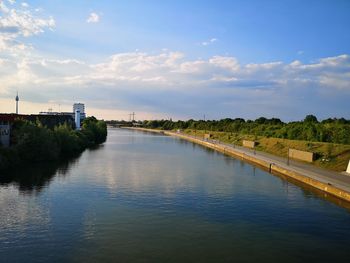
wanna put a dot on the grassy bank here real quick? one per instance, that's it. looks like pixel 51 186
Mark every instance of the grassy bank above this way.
pixel 33 142
pixel 328 155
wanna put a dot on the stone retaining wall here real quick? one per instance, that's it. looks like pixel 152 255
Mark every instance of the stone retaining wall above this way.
pixel 249 144
pixel 301 155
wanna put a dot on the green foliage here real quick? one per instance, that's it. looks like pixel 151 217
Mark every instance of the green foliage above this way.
pixel 33 142
pixel 68 140
pixel 95 130
pixel 310 129
pixel 330 149
pixel 310 119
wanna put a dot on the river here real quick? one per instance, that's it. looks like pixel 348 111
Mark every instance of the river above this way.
pixel 143 197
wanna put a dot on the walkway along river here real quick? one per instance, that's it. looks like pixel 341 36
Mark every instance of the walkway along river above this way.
pixel 145 197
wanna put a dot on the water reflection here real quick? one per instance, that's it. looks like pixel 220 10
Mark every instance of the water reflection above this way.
pixel 16 211
pixel 309 192
pixel 31 179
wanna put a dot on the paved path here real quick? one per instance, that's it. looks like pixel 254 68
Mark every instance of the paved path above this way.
pixel 339 180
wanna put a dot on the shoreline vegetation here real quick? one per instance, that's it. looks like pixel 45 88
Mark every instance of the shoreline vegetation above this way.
pixel 32 142
pixel 329 139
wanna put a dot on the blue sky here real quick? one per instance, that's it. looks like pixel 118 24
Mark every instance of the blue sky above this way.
pixel 178 59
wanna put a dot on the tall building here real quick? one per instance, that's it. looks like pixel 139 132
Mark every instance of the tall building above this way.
pixel 76 107
pixel 81 108
pixel 17 99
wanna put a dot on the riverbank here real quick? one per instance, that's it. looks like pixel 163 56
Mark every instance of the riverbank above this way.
pixel 332 183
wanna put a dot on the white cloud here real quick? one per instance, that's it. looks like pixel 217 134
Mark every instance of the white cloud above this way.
pixel 15 23
pixel 209 42
pixel 158 82
pixel 3 7
pixel 229 63
pixel 171 71
pixel 24 4
pixel 93 18
pixel 264 66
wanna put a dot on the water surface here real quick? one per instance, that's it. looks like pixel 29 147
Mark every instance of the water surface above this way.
pixel 142 197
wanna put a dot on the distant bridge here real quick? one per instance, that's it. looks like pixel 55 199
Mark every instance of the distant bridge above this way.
pixel 118 124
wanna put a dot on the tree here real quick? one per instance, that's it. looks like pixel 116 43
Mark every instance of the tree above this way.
pixel 310 119
pixel 34 142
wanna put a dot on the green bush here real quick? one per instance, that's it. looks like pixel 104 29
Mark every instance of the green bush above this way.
pixel 35 143
pixel 68 140
pixel 32 142
pixel 95 130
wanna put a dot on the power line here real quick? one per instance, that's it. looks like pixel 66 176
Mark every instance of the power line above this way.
pixel 133 116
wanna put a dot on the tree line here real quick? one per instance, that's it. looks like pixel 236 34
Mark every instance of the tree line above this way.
pixel 34 142
pixel 331 130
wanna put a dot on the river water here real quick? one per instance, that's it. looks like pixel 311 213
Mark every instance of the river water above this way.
pixel 142 197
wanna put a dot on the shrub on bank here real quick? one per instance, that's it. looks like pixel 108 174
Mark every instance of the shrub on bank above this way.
pixel 96 131
pixel 35 142
pixel 68 140
pixel 32 142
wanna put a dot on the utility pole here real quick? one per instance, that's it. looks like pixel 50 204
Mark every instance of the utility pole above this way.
pixel 133 117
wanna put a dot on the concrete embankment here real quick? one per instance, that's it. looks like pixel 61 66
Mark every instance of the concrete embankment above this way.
pixel 336 188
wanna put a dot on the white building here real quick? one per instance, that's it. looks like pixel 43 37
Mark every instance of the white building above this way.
pixel 81 108
pixel 76 107
pixel 77 119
